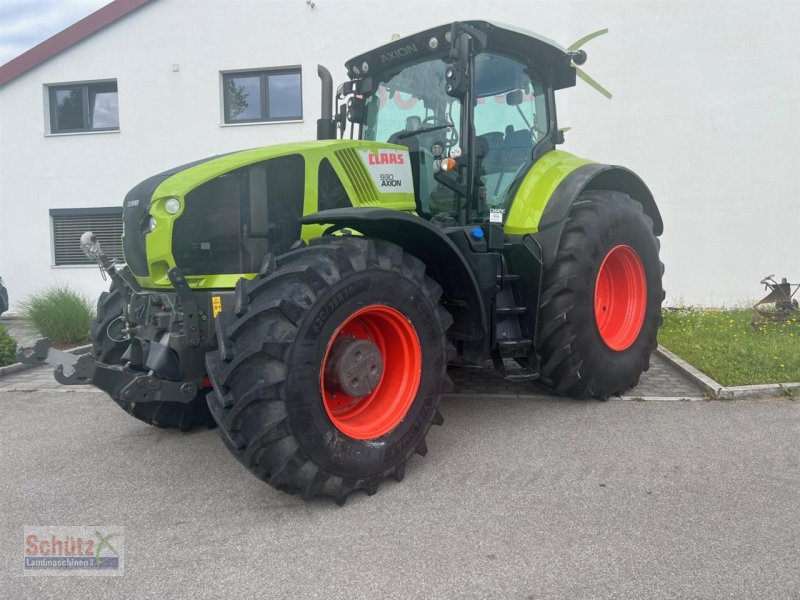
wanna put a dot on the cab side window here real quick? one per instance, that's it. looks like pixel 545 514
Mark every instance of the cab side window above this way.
pixel 510 118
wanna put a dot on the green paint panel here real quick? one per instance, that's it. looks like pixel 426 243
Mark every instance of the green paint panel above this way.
pixel 344 157
pixel 537 188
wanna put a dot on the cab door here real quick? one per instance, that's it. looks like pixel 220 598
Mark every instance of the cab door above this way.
pixel 510 118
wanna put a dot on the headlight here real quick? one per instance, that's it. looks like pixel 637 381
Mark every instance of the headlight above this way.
pixel 172 206
pixel 151 225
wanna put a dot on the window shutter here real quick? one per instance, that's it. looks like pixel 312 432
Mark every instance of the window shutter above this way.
pixel 68 228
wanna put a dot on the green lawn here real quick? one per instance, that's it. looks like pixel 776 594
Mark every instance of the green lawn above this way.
pixel 724 346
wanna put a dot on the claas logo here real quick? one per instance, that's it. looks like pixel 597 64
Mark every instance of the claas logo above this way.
pixel 384 157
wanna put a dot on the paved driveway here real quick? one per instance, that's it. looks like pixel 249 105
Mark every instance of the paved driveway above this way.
pixel 518 498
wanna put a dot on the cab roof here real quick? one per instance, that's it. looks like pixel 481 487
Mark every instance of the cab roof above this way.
pixel 505 39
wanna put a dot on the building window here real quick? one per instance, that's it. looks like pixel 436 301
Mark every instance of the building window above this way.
pixel 70 223
pixel 81 107
pixel 259 96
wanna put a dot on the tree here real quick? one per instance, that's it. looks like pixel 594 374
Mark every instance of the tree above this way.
pixel 237 98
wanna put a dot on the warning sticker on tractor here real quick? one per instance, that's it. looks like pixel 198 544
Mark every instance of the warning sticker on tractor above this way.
pixel 496 215
pixel 389 169
pixel 216 305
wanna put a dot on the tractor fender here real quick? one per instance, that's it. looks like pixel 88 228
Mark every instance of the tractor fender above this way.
pixel 592 176
pixel 444 261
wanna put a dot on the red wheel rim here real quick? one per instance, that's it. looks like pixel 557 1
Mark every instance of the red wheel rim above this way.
pixel 377 413
pixel 620 297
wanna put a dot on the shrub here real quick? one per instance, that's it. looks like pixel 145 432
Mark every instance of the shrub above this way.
pixel 7 348
pixel 60 314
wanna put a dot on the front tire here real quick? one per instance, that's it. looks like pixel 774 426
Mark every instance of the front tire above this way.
pixel 600 308
pixel 279 397
pixel 105 330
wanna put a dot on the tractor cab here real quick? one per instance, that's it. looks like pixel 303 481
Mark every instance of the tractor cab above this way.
pixel 472 101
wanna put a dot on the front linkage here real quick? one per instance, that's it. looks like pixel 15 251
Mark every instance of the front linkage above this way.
pixel 116 380
pixel 149 370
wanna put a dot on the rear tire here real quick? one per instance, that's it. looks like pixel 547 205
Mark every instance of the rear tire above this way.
pixel 276 409
pixel 601 303
pixel 108 346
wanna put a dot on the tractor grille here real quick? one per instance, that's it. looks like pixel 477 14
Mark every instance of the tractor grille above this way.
pixel 358 176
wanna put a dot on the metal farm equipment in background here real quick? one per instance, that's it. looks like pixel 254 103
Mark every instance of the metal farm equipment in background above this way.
pixel 779 305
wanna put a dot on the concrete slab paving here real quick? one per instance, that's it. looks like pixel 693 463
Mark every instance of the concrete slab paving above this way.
pixel 662 380
pixel 517 498
pixel 20 329
pixel 39 379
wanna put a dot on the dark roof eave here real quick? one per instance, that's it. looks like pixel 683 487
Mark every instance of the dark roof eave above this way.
pixel 501 37
pixel 67 38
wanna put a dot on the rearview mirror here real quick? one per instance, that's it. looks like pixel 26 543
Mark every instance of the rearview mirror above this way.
pixel 514 98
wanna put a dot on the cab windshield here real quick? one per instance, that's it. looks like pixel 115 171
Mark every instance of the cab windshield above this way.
pixel 411 108
pixel 510 116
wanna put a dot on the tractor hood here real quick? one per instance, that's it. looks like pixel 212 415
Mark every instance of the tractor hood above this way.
pixel 217 218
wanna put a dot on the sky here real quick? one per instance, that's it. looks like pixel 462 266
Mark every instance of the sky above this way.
pixel 25 23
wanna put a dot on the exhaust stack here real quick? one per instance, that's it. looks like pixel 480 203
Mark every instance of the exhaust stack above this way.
pixel 326 126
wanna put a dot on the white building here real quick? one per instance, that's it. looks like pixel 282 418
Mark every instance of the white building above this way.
pixel 705 110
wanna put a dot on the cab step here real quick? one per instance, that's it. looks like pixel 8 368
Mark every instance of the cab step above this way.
pixel 520 370
pixel 507 278
pixel 511 310
pixel 514 348
pixel 521 375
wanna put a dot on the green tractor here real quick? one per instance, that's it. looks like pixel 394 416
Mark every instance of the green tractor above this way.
pixel 308 298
